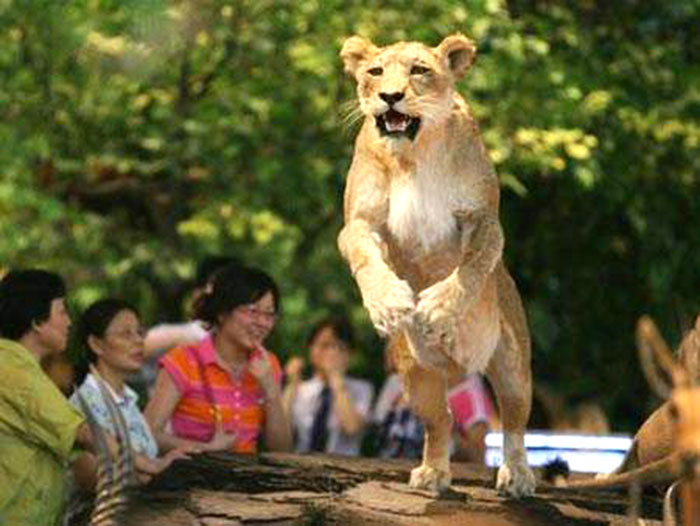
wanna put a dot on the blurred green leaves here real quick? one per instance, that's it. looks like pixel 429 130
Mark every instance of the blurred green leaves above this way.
pixel 137 136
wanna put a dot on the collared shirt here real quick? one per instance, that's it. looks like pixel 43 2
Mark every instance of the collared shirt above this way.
pixel 237 399
pixel 37 432
pixel 400 432
pixel 306 403
pixel 140 434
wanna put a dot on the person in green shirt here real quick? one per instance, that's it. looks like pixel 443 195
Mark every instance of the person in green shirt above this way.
pixel 38 426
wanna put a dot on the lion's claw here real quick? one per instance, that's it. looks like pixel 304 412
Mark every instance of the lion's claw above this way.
pixel 390 303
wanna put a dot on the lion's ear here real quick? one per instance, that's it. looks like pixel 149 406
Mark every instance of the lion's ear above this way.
pixel 355 51
pixel 459 52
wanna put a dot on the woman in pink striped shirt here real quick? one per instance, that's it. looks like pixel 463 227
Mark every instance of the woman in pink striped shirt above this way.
pixel 223 393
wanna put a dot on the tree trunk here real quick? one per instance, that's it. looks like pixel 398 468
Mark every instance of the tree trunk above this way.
pixel 293 490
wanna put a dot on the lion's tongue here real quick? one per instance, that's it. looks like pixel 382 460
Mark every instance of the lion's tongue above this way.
pixel 396 122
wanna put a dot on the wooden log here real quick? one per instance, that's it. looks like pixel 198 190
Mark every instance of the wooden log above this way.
pixel 315 490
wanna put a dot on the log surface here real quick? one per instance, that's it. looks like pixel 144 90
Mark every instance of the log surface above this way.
pixel 294 490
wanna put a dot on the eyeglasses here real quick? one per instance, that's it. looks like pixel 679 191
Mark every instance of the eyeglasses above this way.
pixel 128 334
pixel 253 312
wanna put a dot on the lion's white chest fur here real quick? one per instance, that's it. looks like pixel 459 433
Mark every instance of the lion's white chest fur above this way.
pixel 421 208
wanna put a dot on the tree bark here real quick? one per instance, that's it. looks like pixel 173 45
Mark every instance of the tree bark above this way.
pixel 293 490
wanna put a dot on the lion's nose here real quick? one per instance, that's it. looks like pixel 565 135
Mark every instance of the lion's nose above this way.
pixel 391 98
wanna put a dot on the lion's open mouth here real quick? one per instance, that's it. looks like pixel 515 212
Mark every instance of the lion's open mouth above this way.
pixel 396 124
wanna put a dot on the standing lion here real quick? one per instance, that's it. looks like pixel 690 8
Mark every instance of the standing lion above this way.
pixel 424 243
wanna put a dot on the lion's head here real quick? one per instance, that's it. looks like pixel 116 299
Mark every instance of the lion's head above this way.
pixel 407 86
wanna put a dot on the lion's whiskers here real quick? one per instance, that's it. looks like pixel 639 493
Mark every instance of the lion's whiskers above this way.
pixel 350 113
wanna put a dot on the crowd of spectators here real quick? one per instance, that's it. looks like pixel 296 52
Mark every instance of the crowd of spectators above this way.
pixel 211 385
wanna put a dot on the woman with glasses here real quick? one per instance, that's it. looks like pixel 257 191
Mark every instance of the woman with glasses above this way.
pixel 112 340
pixel 223 393
pixel 329 411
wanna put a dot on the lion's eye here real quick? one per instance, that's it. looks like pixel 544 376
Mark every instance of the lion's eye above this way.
pixel 375 72
pixel 419 70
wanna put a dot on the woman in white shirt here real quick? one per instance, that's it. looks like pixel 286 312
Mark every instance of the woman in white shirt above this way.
pixel 329 411
pixel 112 339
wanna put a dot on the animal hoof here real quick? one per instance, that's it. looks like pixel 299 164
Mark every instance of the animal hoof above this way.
pixel 431 479
pixel 515 481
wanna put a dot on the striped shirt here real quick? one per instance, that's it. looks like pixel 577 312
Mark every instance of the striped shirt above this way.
pixel 236 399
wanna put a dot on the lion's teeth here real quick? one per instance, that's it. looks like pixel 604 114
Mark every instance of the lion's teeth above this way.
pixel 397 125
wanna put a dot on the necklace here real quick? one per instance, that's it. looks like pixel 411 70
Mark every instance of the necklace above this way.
pixel 238 369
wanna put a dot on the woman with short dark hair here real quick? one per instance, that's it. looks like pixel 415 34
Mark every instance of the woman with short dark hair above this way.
pixel 224 392
pixel 28 298
pixel 38 427
pixel 112 341
pixel 330 410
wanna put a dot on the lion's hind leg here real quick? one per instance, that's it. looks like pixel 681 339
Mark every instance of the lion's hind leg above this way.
pixel 510 375
pixel 426 393
pixel 512 392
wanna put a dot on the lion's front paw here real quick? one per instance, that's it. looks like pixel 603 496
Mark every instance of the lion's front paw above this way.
pixel 515 480
pixel 431 479
pixel 437 311
pixel 390 303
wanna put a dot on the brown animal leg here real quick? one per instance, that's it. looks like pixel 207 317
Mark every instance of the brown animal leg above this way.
pixel 426 393
pixel 509 374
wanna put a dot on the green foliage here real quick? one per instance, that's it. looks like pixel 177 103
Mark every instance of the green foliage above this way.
pixel 137 136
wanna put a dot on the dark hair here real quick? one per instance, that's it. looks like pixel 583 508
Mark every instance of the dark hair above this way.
pixel 94 322
pixel 231 287
pixel 25 299
pixel 340 326
pixel 209 265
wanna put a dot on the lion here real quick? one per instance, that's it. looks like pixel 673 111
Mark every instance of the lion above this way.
pixel 423 241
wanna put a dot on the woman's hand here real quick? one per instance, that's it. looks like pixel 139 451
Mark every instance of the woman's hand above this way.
pixel 334 364
pixel 293 368
pixel 146 468
pixel 221 441
pixel 192 448
pixel 261 368
pixel 157 465
pixel 179 453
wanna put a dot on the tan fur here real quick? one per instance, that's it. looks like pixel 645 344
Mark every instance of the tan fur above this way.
pixel 423 239
pixel 668 443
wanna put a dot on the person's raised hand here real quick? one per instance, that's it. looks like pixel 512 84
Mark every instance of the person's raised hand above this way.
pixel 293 369
pixel 260 367
pixel 334 363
